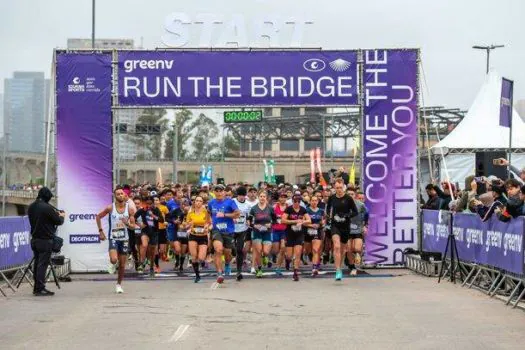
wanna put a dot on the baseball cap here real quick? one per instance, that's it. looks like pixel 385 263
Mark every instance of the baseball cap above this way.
pixel 219 187
pixel 295 187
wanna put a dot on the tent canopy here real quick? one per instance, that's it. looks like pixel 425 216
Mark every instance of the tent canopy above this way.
pixel 480 128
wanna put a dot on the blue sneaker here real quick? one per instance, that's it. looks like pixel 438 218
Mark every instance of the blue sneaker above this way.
pixel 278 271
pixel 227 270
pixel 338 275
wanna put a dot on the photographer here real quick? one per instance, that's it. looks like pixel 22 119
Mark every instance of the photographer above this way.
pixel 44 219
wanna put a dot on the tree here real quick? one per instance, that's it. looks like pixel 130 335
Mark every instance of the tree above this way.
pixel 150 141
pixel 184 128
pixel 203 142
pixel 229 145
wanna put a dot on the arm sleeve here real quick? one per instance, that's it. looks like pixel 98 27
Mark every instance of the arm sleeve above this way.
pixel 353 208
pixel 53 215
pixel 439 192
pixel 251 215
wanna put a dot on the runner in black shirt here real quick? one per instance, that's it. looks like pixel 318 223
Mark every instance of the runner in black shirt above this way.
pixel 151 216
pixel 339 209
pixel 294 218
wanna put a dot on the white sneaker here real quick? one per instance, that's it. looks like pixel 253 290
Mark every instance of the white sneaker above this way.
pixel 353 272
pixel 112 268
pixel 118 289
pixel 252 270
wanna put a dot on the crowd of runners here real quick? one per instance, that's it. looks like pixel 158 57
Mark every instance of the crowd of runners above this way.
pixel 279 227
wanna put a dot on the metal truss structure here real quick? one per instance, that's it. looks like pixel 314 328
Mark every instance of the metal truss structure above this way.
pixel 337 125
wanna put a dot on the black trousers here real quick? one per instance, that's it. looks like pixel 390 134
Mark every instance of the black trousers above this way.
pixel 42 253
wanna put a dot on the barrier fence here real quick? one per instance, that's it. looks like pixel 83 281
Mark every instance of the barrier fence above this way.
pixel 15 247
pixel 491 253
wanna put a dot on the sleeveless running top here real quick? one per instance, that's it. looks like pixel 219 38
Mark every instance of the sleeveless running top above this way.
pixel 117 228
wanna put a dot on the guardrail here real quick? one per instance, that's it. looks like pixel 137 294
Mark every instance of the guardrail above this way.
pixel 20 193
pixel 491 253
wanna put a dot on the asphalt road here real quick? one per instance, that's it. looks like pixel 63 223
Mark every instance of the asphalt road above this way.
pixel 388 309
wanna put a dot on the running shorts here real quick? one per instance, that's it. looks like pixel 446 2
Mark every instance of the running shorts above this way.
pixel 122 247
pixel 225 238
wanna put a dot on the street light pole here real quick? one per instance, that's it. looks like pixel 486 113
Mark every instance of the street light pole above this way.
pixel 93 24
pixel 487 48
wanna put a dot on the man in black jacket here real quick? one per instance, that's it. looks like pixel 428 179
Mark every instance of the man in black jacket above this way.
pixel 433 202
pixel 44 219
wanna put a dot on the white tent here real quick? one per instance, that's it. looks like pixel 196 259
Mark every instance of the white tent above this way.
pixel 480 131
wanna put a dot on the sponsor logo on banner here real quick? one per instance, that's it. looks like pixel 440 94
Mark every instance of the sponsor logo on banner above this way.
pixel 88 85
pixel 76 217
pixel 84 239
pixel 340 65
pixel 314 65
pixel 75 86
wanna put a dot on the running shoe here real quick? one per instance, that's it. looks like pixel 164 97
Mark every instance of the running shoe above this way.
pixel 265 260
pixel 353 272
pixel 295 276
pixel 270 264
pixel 147 262
pixel 220 279
pixel 239 277
pixel 151 273
pixel 338 275
pixel 157 269
pixel 112 268
pixel 315 272
pixel 227 270
pixel 181 269
pixel 278 271
pixel 118 289
pixel 259 274
pixel 252 270
pixel 140 268
pixel 197 279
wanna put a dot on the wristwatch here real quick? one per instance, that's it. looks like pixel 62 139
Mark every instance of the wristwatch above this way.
pixel 100 230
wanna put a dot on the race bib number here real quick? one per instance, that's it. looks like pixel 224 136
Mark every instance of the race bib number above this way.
pixel 337 218
pixel 297 228
pixel 199 230
pixel 241 220
pixel 222 226
pixel 354 226
pixel 312 231
pixel 119 234
pixel 263 228
pixel 182 234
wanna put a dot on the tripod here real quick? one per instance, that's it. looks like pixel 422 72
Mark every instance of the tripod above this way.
pixel 30 268
pixel 454 256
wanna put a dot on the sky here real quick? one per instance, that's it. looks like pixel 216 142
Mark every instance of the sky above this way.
pixel 445 31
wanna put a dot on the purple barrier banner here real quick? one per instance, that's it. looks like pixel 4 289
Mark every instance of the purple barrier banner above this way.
pixel 84 152
pixel 237 78
pixel 493 243
pixel 15 242
pixel 390 153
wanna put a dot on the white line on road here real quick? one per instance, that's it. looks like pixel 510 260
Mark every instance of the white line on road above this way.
pixel 179 332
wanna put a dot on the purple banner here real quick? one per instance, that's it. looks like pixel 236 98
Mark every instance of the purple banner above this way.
pixel 505 109
pixel 15 242
pixel 84 151
pixel 492 243
pixel 237 78
pixel 390 153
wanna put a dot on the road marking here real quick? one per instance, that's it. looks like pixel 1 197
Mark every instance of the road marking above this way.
pixel 179 332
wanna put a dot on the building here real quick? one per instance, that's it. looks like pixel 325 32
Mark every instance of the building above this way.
pixel 127 148
pixel 2 114
pixel 26 98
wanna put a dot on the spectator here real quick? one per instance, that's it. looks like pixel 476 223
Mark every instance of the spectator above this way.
pixel 344 175
pixel 518 175
pixel 433 202
pixel 444 195
pixel 514 207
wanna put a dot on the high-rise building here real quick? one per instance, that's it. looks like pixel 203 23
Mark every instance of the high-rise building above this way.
pixel 26 98
pixel 127 147
pixel 1 114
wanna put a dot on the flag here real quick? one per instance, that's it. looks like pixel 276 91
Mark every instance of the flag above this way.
pixel 202 177
pixel 322 181
pixel 266 177
pixel 209 174
pixel 312 166
pixel 505 109
pixel 271 166
pixel 352 168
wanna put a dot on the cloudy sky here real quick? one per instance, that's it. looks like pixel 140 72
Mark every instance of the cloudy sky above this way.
pixel 445 31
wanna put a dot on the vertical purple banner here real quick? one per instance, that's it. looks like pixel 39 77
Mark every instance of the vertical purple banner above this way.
pixel 505 109
pixel 390 152
pixel 84 152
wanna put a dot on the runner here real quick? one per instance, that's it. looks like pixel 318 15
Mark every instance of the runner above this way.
pixel 151 216
pixel 198 225
pixel 261 219
pixel 171 232
pixel 312 240
pixel 137 232
pixel 121 216
pixel 163 239
pixel 340 209
pixel 358 229
pixel 279 233
pixel 241 230
pixel 178 237
pixel 295 218
pixel 252 196
pixel 223 212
